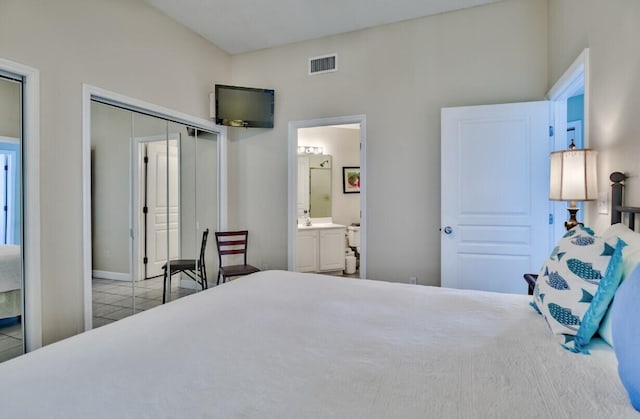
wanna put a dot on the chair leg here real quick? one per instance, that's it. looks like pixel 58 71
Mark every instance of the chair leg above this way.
pixel 164 286
pixel 218 283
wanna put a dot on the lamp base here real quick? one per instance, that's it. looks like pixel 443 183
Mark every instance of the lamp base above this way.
pixel 572 222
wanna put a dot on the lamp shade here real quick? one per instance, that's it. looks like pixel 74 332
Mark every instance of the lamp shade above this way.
pixel 573 175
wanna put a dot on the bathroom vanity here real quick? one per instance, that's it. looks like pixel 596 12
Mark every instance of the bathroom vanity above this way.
pixel 320 248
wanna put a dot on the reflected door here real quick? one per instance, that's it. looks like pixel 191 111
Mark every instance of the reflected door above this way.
pixel 163 205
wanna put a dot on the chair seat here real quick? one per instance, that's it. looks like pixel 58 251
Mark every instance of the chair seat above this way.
pixel 238 270
pixel 179 264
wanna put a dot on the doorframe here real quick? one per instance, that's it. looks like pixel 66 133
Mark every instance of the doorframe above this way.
pixel 573 80
pixel 90 93
pixel 31 201
pixel 292 174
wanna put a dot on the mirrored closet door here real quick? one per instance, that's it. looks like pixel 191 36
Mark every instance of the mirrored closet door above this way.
pixel 154 194
pixel 11 263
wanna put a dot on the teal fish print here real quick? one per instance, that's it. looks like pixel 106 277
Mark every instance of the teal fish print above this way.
pixel 583 240
pixel 584 271
pixel 564 316
pixel 557 254
pixel 557 281
pixel 608 250
pixel 586 297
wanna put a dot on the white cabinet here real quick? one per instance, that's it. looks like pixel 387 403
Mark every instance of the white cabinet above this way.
pixel 307 251
pixel 320 249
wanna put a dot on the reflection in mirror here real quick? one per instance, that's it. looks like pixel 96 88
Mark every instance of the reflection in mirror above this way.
pixel 152 197
pixel 314 185
pixel 11 282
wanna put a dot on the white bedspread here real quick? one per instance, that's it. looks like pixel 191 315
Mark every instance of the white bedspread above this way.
pixel 285 345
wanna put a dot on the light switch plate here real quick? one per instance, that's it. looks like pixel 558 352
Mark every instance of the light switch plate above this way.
pixel 603 202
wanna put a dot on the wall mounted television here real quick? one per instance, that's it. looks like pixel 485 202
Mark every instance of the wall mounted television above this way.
pixel 248 107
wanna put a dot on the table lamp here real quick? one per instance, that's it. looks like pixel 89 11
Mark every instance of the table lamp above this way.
pixel 573 178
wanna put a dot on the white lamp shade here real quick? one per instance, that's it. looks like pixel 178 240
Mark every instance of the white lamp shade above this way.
pixel 573 175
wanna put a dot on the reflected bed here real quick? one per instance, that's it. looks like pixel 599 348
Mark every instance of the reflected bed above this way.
pixel 10 281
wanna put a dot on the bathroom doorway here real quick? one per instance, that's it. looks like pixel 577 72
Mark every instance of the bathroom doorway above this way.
pixel 327 189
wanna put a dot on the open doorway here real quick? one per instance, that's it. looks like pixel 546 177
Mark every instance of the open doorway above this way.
pixel 570 103
pixel 327 195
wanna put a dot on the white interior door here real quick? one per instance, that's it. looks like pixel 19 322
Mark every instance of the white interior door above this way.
pixel 163 201
pixel 494 195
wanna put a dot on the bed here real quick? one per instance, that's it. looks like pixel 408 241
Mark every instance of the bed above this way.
pixel 286 345
pixel 10 281
pixel 279 344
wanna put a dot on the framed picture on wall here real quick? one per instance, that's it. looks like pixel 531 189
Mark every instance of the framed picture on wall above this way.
pixel 351 179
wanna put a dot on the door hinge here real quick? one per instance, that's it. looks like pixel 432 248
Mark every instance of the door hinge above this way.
pixel 145 260
pixel 145 209
pixel 146 159
pixel 550 218
pixel 550 131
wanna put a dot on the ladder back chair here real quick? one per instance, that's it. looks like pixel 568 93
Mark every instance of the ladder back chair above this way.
pixel 233 243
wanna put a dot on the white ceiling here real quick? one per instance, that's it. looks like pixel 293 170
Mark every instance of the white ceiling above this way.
pixel 239 26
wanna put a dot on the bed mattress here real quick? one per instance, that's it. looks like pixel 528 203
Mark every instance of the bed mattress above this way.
pixel 286 345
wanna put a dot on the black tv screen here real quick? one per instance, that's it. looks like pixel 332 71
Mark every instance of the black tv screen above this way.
pixel 244 106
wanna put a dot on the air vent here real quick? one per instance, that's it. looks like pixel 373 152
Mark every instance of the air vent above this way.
pixel 323 64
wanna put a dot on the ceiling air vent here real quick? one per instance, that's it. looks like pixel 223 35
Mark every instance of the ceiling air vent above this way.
pixel 323 64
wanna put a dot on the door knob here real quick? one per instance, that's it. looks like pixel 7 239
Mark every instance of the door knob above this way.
pixel 447 230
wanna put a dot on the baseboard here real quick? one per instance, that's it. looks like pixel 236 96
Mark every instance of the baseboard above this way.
pixel 117 276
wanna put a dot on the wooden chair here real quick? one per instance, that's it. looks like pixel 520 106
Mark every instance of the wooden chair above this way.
pixel 193 268
pixel 233 243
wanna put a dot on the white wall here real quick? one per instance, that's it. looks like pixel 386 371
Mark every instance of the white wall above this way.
pixel 343 144
pixel 611 30
pixel 9 109
pixel 124 46
pixel 399 76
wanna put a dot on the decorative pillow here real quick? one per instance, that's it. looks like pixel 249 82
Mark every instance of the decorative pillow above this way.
pixel 630 260
pixel 625 313
pixel 569 281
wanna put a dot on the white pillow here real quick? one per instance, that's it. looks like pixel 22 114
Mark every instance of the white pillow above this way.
pixel 570 278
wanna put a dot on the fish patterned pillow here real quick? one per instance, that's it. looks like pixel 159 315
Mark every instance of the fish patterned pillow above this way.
pixel 568 283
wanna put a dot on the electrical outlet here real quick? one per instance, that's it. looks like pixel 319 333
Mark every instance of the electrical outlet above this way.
pixel 412 280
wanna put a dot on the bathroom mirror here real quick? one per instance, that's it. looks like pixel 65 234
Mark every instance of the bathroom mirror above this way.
pixel 314 185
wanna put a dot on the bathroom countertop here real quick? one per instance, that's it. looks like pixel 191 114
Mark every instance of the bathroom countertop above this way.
pixel 318 226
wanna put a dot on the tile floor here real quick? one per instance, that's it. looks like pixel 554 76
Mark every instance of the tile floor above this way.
pixel 10 339
pixel 112 300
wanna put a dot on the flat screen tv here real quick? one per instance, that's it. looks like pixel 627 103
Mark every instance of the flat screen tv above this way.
pixel 244 106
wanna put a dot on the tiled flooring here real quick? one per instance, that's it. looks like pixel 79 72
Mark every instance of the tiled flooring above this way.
pixel 10 339
pixel 112 300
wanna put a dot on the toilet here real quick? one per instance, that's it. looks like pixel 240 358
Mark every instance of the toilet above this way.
pixel 353 235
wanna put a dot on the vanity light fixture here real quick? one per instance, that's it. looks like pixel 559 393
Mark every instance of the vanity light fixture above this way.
pixel 303 149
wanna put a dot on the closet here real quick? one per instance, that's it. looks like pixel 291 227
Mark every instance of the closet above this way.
pixel 154 190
